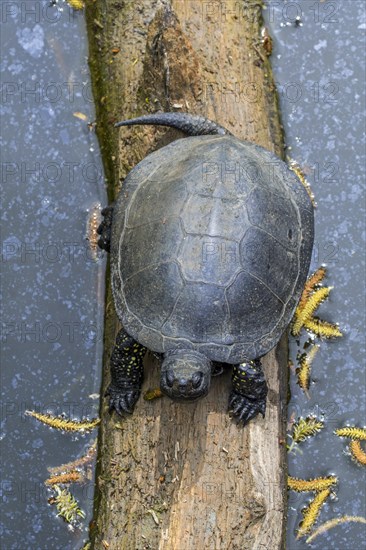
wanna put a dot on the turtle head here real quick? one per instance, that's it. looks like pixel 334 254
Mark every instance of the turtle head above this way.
pixel 185 375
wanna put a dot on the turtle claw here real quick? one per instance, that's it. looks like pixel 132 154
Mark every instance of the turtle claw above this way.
pixel 244 409
pixel 122 400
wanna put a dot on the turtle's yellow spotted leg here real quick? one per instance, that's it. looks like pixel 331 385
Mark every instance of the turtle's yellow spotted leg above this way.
pixel 126 373
pixel 249 391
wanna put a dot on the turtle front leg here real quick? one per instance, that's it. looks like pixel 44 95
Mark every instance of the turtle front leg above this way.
pixel 249 391
pixel 105 228
pixel 126 373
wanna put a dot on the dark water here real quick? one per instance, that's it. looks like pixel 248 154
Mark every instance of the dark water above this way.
pixel 320 71
pixel 53 286
pixel 52 321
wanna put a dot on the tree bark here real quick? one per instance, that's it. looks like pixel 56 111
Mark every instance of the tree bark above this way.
pixel 184 476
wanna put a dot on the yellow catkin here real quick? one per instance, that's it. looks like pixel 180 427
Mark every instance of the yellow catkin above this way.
pixel 353 432
pixel 322 328
pixel 65 424
pixel 309 308
pixel 70 477
pixel 67 505
pixel 333 523
pixel 76 4
pixel 78 463
pixel 312 281
pixel 92 224
pixel 303 372
pixel 306 427
pixel 312 512
pixel 316 277
pixel 301 175
pixel 317 484
pixel 149 395
pixel 303 376
pixel 357 452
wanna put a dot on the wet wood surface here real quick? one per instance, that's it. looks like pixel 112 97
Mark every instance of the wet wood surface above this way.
pixel 184 476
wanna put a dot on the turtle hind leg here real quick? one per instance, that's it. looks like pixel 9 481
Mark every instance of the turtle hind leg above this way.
pixel 126 373
pixel 105 228
pixel 249 391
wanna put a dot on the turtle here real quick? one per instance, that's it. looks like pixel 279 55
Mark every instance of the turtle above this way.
pixel 210 240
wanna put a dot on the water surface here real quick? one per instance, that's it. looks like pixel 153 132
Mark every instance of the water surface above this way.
pixel 53 285
pixel 319 67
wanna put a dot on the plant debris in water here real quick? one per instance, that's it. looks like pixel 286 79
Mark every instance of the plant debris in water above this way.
pixel 352 432
pixel 356 435
pixel 66 505
pixel 65 502
pixel 65 424
pixel 92 224
pixel 322 487
pixel 311 284
pixel 63 479
pixel 303 372
pixel 308 309
pixel 304 428
pixel 313 295
pixel 357 452
pixel 322 329
pixel 78 463
pixel 333 523
pixel 317 484
pixel 312 511
pixel 294 166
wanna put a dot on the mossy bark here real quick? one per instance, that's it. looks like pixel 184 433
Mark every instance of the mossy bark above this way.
pixel 184 476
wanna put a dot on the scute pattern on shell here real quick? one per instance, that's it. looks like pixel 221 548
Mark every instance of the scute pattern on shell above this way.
pixel 211 248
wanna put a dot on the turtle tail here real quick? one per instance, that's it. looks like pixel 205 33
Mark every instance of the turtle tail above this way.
pixel 193 125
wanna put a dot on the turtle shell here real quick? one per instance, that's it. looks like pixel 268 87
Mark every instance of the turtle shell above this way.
pixel 211 246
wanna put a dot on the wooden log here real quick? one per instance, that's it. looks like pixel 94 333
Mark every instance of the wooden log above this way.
pixel 184 476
